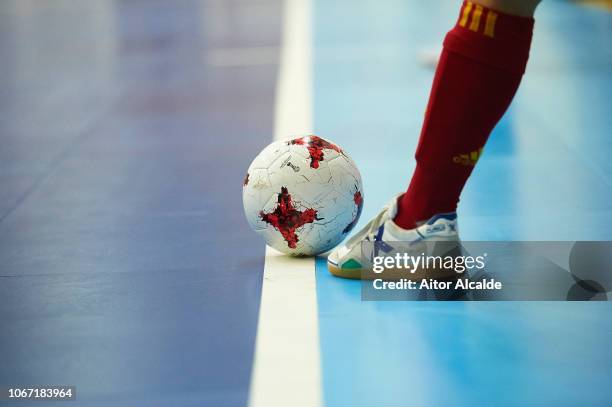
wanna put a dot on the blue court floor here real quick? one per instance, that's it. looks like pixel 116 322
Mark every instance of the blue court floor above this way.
pixel 545 175
pixel 127 268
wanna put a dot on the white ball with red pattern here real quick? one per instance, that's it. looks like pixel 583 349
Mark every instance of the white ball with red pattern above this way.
pixel 303 196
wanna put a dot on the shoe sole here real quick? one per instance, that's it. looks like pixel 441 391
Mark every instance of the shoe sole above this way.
pixel 392 274
pixel 353 274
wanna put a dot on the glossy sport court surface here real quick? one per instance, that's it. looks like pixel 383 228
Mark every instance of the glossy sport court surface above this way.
pixel 127 269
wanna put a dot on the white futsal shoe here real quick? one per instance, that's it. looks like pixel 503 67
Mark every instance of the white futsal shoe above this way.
pixel 382 237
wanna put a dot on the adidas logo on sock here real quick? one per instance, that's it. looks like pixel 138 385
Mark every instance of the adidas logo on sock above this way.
pixel 469 158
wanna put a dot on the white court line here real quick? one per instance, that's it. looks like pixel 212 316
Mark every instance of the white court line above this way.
pixel 293 110
pixel 286 371
pixel 287 367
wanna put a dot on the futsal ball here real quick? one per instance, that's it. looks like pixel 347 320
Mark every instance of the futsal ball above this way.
pixel 303 196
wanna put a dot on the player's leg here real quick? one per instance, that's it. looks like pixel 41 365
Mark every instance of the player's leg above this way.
pixel 479 71
pixel 521 8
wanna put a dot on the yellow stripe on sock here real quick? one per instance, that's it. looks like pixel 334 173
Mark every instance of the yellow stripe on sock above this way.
pixel 476 18
pixel 466 14
pixel 489 30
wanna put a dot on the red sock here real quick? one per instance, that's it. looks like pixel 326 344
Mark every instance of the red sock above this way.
pixel 479 71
